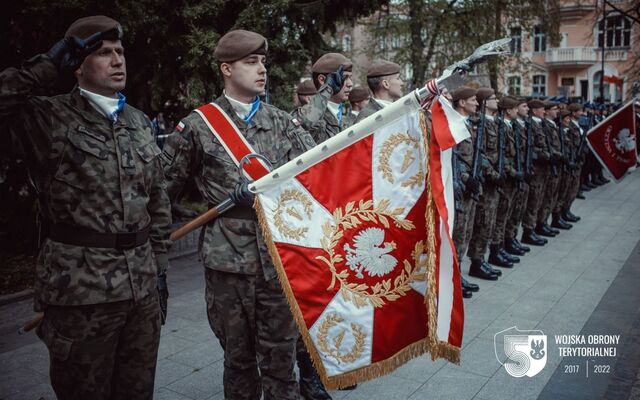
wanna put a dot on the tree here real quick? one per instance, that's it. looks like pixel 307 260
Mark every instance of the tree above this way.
pixel 169 44
pixel 437 33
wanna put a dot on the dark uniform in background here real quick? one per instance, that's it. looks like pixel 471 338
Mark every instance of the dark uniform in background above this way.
pixel 101 190
pixel 246 307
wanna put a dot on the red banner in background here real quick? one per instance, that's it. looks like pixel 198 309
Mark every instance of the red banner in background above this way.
pixel 613 142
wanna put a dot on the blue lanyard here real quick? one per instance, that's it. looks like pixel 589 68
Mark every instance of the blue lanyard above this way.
pixel 254 109
pixel 339 114
pixel 119 108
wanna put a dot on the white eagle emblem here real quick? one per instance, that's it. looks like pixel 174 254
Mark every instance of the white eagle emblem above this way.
pixel 369 255
pixel 625 142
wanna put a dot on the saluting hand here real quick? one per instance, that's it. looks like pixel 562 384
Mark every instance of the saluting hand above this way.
pixel 69 53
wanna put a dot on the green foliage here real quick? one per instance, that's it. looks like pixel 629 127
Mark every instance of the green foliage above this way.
pixel 169 44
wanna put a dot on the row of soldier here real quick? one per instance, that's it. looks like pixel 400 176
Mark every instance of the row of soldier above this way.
pixel 105 191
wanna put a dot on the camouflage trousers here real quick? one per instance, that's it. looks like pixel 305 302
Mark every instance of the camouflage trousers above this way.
pixel 252 320
pixel 505 209
pixel 102 351
pixel 551 190
pixel 519 207
pixel 484 222
pixel 563 187
pixel 463 227
pixel 573 188
pixel 536 197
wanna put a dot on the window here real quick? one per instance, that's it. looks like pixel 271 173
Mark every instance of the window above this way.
pixel 566 82
pixel 539 39
pixel 346 43
pixel 516 40
pixel 539 85
pixel 614 31
pixel 514 85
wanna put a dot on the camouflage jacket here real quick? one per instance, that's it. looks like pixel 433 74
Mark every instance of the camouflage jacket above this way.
pixel 489 149
pixel 316 118
pixel 509 148
pixel 372 107
pixel 551 129
pixel 230 244
pixel 91 174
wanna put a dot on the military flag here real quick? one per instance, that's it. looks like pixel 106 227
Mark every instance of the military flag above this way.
pixel 359 229
pixel 613 142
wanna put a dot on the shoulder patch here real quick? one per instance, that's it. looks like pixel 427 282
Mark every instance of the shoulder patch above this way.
pixel 180 127
pixel 296 122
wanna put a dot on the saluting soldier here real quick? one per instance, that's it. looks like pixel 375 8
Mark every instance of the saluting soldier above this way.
pixel 487 206
pixel 323 116
pixel 383 79
pixel 95 165
pixel 246 307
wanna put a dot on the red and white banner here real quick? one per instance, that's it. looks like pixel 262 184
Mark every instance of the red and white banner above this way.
pixel 362 244
pixel 613 142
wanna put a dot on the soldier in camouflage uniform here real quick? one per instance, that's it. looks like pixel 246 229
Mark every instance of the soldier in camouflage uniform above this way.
pixel 383 79
pixel 94 162
pixel 305 92
pixel 323 117
pixel 359 100
pixel 464 101
pixel 575 135
pixel 486 208
pixel 246 307
pixel 552 130
pixel 541 171
pixel 508 107
pixel 510 249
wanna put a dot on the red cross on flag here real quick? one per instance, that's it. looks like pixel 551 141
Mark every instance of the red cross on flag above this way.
pixel 359 230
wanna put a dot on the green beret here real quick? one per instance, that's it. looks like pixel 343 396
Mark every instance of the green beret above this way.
pixel 535 103
pixel 564 113
pixel 84 27
pixel 507 102
pixel 330 62
pixel 306 88
pixel 574 107
pixel 548 104
pixel 463 93
pixel 484 93
pixel 383 68
pixel 358 93
pixel 238 44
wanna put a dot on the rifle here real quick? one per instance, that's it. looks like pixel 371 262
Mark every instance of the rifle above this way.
pixel 584 137
pixel 477 156
pixel 561 136
pixel 529 154
pixel 500 166
pixel 554 170
pixel 516 139
pixel 457 184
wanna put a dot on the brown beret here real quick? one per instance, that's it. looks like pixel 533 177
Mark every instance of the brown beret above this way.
pixel 507 102
pixel 574 107
pixel 330 62
pixel 484 93
pixel 82 28
pixel 548 104
pixel 535 103
pixel 564 113
pixel 358 93
pixel 520 100
pixel 463 93
pixel 237 44
pixel 383 68
pixel 306 88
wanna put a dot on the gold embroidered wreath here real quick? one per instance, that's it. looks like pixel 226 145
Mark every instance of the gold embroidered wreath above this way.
pixel 388 147
pixel 361 294
pixel 356 350
pixel 281 225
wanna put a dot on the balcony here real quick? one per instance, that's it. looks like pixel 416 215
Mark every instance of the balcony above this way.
pixel 569 56
pixel 580 56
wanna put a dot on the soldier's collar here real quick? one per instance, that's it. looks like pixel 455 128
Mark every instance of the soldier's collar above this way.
pixel 87 111
pixel 537 119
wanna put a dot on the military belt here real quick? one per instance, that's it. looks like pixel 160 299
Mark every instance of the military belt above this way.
pixel 78 236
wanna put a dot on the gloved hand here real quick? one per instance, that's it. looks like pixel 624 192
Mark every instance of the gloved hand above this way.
pixel 69 53
pixel 242 196
pixel 334 79
pixel 473 185
pixel 163 295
